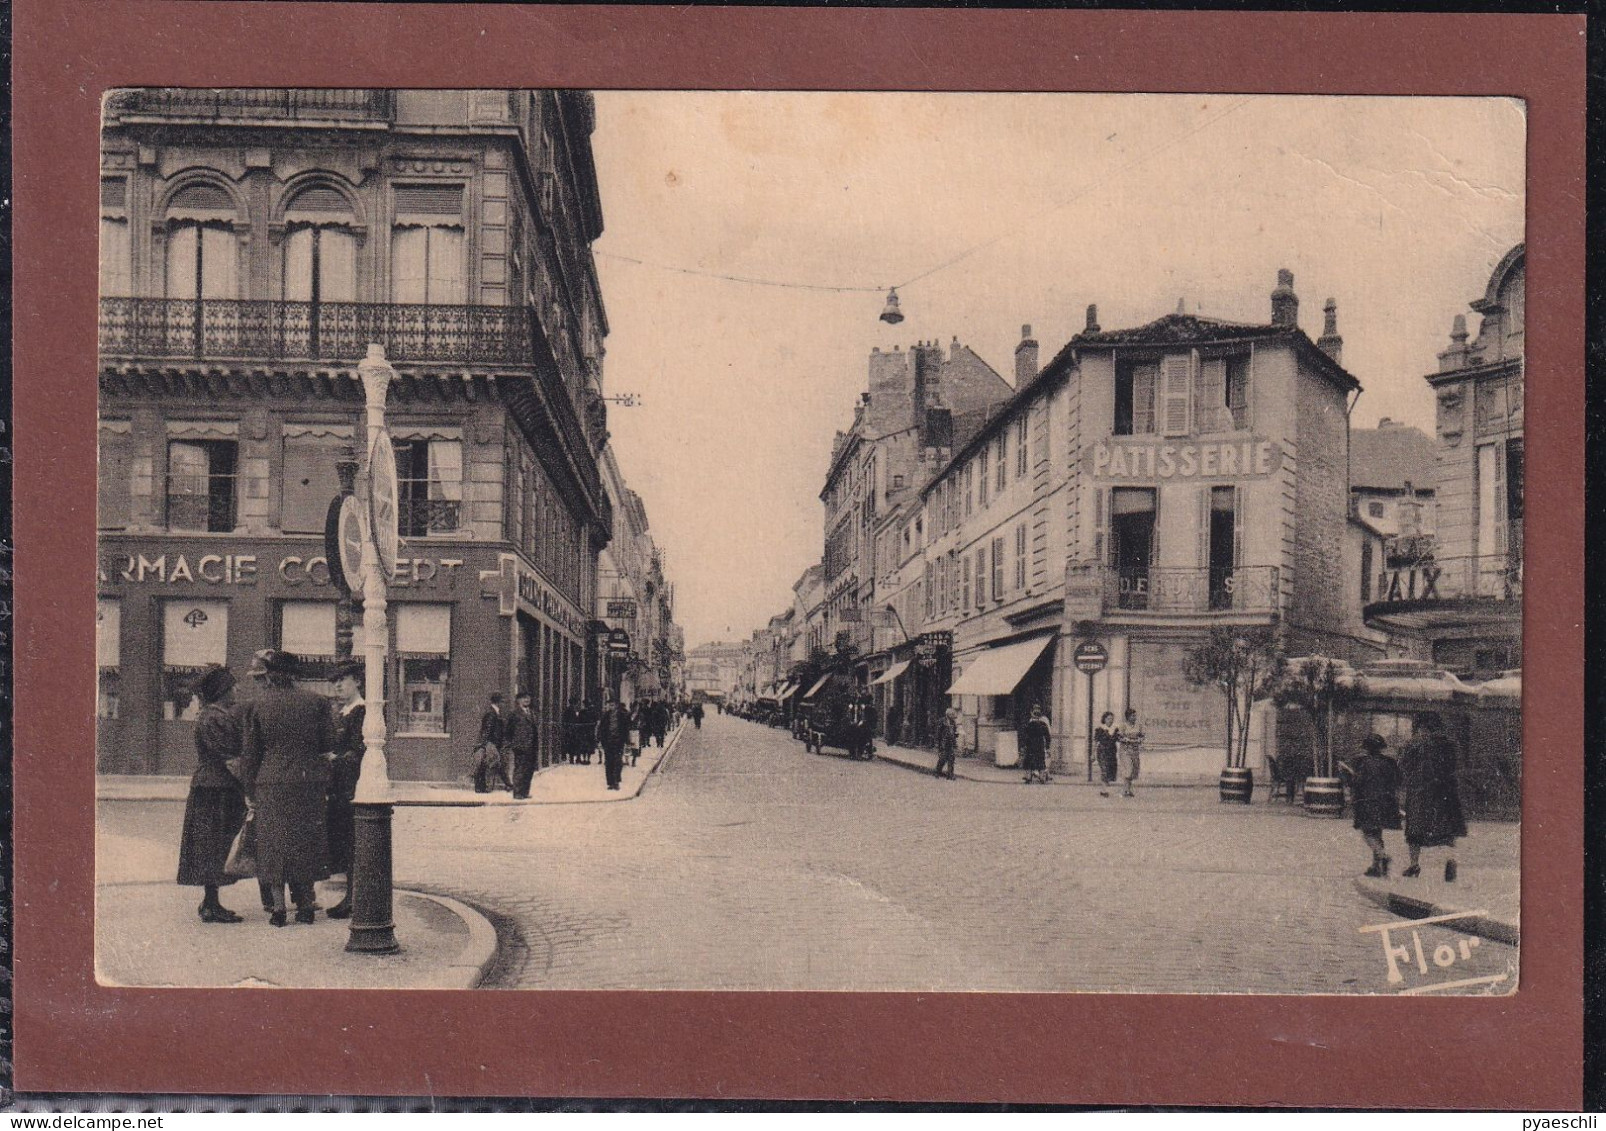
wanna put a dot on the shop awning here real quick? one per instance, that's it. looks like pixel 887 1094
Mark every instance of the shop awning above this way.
pixel 891 673
pixel 785 692
pixel 815 690
pixel 999 670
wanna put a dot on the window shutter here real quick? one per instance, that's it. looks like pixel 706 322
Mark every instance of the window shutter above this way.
pixel 998 569
pixel 1175 379
pixel 298 265
pixel 1237 527
pixel 1499 498
pixel 445 201
pixel 113 192
pixel 1154 531
pixel 1100 525
pixel 310 481
pixel 321 200
pixel 114 481
pixel 1212 395
pixel 964 585
pixel 1204 527
pixel 116 277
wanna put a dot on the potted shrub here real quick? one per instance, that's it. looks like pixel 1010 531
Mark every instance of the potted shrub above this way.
pixel 1323 689
pixel 1246 664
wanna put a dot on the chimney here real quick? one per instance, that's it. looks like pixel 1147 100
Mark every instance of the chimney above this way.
pixel 953 350
pixel 1330 343
pixel 1025 358
pixel 1092 326
pixel 1284 303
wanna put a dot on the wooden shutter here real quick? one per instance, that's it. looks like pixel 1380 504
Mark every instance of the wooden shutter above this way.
pixel 1237 528
pixel 1176 377
pixel 1145 380
pixel 1211 398
pixel 1101 525
pixel 1205 498
pixel 114 479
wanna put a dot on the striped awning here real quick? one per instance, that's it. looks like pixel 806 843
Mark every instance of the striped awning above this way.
pixel 998 671
pixel 891 673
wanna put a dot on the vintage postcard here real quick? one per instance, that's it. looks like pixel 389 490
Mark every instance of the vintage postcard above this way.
pixel 730 540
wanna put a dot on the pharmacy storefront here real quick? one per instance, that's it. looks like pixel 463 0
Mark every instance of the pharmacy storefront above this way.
pixel 169 607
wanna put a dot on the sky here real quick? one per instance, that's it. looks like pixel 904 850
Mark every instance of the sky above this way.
pixel 990 211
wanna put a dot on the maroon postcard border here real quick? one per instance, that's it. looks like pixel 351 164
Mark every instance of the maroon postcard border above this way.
pixel 73 1035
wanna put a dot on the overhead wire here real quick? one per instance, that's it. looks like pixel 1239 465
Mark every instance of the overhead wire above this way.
pixel 1142 158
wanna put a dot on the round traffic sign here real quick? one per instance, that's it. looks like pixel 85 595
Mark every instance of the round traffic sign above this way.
pixel 1090 656
pixel 383 491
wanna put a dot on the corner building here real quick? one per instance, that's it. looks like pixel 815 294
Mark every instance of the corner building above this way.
pixel 253 243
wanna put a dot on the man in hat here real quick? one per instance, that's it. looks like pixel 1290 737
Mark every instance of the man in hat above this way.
pixel 288 745
pixel 350 712
pixel 947 743
pixel 520 735
pixel 613 732
pixel 493 735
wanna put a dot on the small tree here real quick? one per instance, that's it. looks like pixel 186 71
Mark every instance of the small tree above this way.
pixel 1322 689
pixel 1246 665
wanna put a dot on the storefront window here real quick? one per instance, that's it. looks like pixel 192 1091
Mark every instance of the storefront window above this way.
pixel 423 644
pixel 307 632
pixel 108 655
pixel 195 635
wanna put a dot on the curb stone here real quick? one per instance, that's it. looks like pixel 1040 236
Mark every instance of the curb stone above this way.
pixel 476 958
pixel 1484 926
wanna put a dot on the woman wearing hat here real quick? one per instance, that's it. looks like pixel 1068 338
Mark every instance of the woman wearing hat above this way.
pixel 347 768
pixel 215 808
pixel 1375 786
pixel 287 747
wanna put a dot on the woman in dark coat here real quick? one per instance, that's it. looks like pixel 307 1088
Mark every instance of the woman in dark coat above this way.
pixel 339 816
pixel 1105 740
pixel 1433 817
pixel 286 750
pixel 1034 739
pixel 215 809
pixel 1375 786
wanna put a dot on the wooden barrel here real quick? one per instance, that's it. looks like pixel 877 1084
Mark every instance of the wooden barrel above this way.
pixel 1324 797
pixel 1237 784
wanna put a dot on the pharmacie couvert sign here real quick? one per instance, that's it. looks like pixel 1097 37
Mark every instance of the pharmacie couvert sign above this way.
pixel 1148 460
pixel 189 568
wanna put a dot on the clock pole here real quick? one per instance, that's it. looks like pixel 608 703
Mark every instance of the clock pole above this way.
pixel 373 930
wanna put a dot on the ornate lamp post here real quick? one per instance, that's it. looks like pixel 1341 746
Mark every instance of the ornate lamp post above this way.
pixel 372 928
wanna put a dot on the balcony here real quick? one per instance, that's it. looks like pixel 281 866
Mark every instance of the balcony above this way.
pixel 244 104
pixel 337 332
pixel 1164 592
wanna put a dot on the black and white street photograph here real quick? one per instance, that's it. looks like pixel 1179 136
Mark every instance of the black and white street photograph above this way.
pixel 555 539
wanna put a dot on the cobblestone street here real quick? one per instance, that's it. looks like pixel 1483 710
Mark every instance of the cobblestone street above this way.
pixel 750 864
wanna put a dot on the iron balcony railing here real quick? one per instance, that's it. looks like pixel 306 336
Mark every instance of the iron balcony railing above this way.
pixel 254 329
pixel 1247 589
pixel 1487 577
pixel 244 103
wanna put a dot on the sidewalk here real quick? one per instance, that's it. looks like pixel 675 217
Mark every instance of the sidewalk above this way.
pixel 561 784
pixel 980 770
pixel 148 934
pixel 1490 891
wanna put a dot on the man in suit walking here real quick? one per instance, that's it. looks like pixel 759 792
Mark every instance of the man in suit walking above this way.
pixel 519 734
pixel 613 731
pixel 493 736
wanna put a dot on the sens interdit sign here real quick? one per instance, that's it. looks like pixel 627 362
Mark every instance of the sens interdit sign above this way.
pixel 1152 460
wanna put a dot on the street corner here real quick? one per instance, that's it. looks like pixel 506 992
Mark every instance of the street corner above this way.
pixel 148 934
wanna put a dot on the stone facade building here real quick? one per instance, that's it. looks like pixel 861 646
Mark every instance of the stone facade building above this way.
pixel 254 242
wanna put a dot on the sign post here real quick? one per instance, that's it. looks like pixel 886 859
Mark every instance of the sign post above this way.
pixel 372 928
pixel 1090 657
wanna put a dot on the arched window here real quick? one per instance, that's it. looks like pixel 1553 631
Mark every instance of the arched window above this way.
pixel 320 248
pixel 202 248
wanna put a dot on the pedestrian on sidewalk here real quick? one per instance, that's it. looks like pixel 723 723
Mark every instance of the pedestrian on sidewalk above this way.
pixel 1433 816
pixel 574 727
pixel 215 808
pixel 520 737
pixel 697 715
pixel 894 723
pixel 1104 745
pixel 1033 741
pixel 339 814
pixel 1129 749
pixel 493 737
pixel 287 747
pixel 1375 788
pixel 948 742
pixel 659 713
pixel 613 732
pixel 590 715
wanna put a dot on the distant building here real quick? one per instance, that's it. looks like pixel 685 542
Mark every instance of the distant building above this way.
pixel 1392 469
pixel 1460 604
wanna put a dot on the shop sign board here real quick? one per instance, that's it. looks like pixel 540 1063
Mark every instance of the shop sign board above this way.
pixel 245 569
pixel 618 642
pixel 1173 711
pixel 1084 590
pixel 1150 460
pixel 621 609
